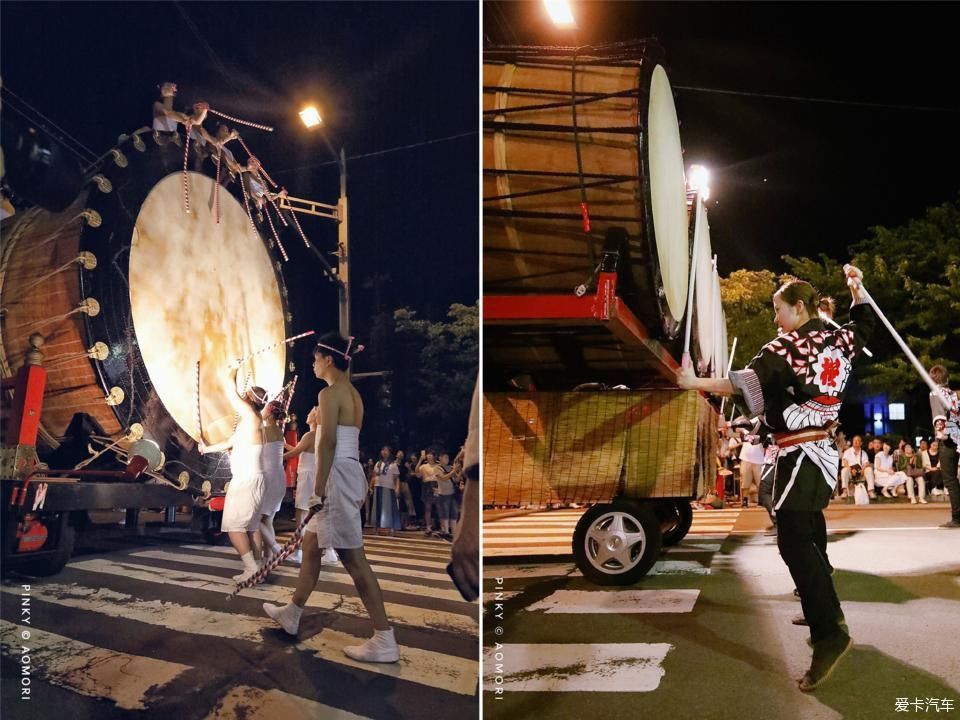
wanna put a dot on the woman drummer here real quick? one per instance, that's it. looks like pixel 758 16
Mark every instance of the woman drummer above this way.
pixel 340 488
pixel 245 494
pixel 275 477
pixel 797 382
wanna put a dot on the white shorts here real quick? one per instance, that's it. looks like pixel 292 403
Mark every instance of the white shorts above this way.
pixel 243 504
pixel 305 480
pixel 338 525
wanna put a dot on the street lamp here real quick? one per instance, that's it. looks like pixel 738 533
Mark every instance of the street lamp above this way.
pixel 311 119
pixel 561 13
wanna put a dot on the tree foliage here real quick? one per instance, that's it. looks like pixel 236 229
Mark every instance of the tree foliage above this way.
pixel 913 274
pixel 426 398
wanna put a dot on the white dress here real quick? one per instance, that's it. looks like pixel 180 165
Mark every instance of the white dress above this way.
pixel 274 477
pixel 337 525
pixel 245 494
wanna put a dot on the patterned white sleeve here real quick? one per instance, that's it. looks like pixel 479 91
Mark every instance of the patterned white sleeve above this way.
pixel 748 384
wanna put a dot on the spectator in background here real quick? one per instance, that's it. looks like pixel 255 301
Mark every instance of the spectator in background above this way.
pixel 856 464
pixel 446 500
pixel 408 517
pixel 751 467
pixel 386 493
pixel 931 469
pixel 427 469
pixel 909 463
pixel 884 474
pixel 416 486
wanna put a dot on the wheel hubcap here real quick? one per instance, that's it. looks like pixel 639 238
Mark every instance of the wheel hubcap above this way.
pixel 615 542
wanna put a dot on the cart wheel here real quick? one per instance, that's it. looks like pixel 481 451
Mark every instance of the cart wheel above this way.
pixel 676 519
pixel 52 565
pixel 616 544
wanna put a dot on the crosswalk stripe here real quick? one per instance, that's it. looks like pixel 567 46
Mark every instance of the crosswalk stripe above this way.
pixel 87 669
pixel 487 540
pixel 617 601
pixel 661 567
pixel 445 672
pixel 396 542
pixel 425 667
pixel 403 614
pixel 328 577
pixel 500 596
pixel 254 703
pixel 397 559
pixel 552 667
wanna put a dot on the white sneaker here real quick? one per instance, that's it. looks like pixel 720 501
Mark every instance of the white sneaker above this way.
pixel 287 616
pixel 936 491
pixel 381 648
pixel 923 501
pixel 295 558
pixel 913 501
pixel 330 557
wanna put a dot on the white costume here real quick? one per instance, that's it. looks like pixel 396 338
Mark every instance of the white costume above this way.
pixel 274 477
pixel 337 525
pixel 245 494
pixel 306 475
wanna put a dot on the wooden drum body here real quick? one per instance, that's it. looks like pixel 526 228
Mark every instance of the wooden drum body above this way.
pixel 159 290
pixel 558 130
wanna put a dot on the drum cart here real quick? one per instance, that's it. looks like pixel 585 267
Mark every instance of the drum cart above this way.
pixel 636 458
pixel 43 509
pixel 589 250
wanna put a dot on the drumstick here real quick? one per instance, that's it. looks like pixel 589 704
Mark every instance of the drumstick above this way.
pixel 831 321
pixel 286 405
pixel 242 122
pixel 186 185
pixel 277 344
pixel 197 395
pixel 216 188
pixel 854 283
pixel 291 545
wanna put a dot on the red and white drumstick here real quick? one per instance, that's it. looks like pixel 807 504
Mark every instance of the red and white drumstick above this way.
pixel 279 214
pixel 275 236
pixel 291 545
pixel 216 188
pixel 246 204
pixel 293 387
pixel 186 187
pixel 197 395
pixel 299 229
pixel 243 391
pixel 277 344
pixel 242 122
pixel 263 170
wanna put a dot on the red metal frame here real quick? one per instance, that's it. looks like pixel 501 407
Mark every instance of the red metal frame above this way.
pixel 605 307
pixel 27 404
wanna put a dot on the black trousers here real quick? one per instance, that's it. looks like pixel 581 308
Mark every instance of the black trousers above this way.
pixel 948 469
pixel 801 539
pixel 765 494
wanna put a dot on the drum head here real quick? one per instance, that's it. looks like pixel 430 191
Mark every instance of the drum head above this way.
pixel 202 290
pixel 668 192
pixel 703 290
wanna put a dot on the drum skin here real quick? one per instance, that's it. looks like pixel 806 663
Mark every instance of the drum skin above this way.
pixel 533 235
pixel 173 288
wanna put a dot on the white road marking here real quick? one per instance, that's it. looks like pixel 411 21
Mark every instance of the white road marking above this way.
pixel 617 601
pixel 253 703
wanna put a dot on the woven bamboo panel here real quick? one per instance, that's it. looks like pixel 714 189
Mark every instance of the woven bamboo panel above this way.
pixel 662 456
pixel 549 447
pixel 516 448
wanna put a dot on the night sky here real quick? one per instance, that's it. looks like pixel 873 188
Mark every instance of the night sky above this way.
pixel 793 177
pixel 384 75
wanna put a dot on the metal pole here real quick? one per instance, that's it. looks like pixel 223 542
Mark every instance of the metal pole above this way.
pixel 343 249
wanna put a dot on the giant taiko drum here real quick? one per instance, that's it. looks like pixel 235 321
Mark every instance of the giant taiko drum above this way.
pixel 597 129
pixel 130 291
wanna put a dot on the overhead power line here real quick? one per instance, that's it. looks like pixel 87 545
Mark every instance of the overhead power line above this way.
pixel 77 145
pixel 824 101
pixel 381 152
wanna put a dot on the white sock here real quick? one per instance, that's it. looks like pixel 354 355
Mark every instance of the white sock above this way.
pixel 294 611
pixel 249 561
pixel 388 633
